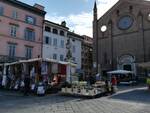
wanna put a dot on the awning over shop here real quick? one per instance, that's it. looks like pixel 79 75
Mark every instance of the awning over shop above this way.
pixel 120 72
pixel 41 59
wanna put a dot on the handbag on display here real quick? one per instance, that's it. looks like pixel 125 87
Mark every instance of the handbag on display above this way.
pixel 32 86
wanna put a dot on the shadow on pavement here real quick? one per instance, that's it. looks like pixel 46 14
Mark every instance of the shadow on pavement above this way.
pixel 138 95
pixel 17 100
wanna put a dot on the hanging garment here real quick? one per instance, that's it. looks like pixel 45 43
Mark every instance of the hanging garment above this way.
pixel 62 69
pixel 4 81
pixel 32 72
pixel 44 68
pixel 54 68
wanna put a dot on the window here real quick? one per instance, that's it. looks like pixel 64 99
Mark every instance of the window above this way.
pixel 46 40
pixel 28 53
pixel 48 29
pixel 14 14
pixel 29 34
pixel 61 58
pixel 1 10
pixel 55 56
pixel 11 50
pixel 73 40
pixel 55 42
pixel 13 30
pixel 74 59
pixel 62 33
pixel 62 44
pixel 55 31
pixel 73 49
pixel 125 22
pixel 30 20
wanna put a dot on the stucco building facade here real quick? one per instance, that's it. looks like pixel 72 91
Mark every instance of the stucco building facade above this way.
pixel 122 37
pixel 57 40
pixel 21 30
pixel 54 41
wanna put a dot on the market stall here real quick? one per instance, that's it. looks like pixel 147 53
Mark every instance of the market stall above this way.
pixel 123 76
pixel 48 71
pixel 82 89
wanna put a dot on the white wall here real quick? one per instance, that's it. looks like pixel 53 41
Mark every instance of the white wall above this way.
pixel 77 52
pixel 49 50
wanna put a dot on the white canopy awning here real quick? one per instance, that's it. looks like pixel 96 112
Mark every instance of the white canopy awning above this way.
pixel 120 72
pixel 41 59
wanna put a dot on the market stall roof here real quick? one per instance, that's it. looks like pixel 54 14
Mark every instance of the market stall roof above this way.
pixel 144 65
pixel 120 72
pixel 50 60
pixel 41 59
pixel 30 60
pixel 13 63
pixel 67 63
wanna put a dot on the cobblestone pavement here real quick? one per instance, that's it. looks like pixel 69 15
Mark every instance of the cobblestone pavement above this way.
pixel 135 100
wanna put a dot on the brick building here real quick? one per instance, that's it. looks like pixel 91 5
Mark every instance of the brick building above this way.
pixel 122 37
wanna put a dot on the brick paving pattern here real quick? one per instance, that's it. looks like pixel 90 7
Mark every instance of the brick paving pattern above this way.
pixel 135 100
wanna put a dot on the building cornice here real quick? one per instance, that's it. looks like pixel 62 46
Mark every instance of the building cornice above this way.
pixel 55 24
pixel 75 36
pixel 25 6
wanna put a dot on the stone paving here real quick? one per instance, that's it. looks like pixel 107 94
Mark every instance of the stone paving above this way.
pixel 136 100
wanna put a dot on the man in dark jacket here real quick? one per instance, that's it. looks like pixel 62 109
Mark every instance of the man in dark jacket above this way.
pixel 26 85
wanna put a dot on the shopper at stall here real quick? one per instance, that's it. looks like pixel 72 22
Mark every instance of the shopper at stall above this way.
pixel 114 84
pixel 26 85
pixel 98 77
pixel 91 79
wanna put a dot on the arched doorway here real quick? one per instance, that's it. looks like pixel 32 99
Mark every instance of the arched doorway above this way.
pixel 127 62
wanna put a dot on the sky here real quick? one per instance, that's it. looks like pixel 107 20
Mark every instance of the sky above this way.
pixel 78 14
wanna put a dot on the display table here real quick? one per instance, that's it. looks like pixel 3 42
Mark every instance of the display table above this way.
pixel 84 90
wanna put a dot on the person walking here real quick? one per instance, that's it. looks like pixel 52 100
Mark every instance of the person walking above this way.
pixel 26 85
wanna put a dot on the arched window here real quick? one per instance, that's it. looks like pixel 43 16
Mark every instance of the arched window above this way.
pixel 55 31
pixel 62 33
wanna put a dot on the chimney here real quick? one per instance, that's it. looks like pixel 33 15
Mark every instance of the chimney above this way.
pixel 40 7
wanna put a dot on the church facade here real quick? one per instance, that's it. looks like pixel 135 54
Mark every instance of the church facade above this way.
pixel 122 37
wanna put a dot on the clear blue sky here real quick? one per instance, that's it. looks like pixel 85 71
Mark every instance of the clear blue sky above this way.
pixel 64 7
